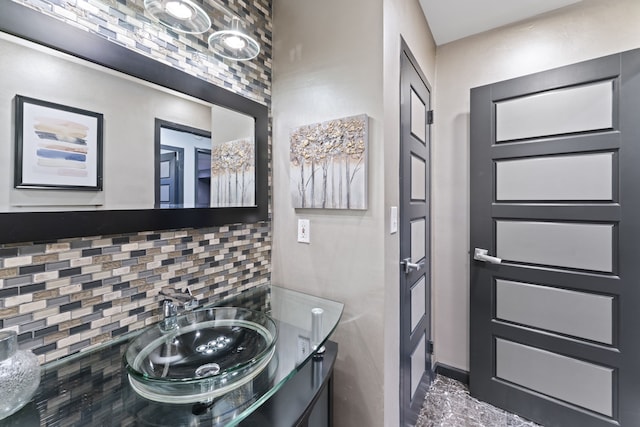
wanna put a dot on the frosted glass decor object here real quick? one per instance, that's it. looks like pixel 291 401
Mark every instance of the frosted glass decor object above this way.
pixel 19 374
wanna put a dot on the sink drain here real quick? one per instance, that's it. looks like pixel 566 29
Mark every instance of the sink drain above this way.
pixel 207 370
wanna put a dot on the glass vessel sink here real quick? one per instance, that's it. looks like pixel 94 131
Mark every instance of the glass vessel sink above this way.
pixel 205 353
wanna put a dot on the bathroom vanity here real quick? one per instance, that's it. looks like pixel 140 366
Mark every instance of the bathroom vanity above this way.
pixel 294 389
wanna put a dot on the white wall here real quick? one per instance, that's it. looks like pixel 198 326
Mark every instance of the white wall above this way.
pixel 589 29
pixel 327 65
pixel 402 18
pixel 228 125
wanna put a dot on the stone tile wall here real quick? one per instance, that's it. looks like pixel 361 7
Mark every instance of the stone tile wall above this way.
pixel 69 295
pixel 73 294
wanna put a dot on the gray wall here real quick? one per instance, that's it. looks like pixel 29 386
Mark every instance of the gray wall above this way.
pixel 335 59
pixel 327 65
pixel 228 125
pixel 589 29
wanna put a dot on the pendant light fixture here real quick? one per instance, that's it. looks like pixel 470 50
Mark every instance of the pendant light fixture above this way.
pixel 187 16
pixel 234 43
pixel 184 16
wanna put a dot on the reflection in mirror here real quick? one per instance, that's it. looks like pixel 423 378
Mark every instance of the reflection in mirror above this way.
pixel 129 178
pixel 202 169
pixel 72 67
pixel 232 159
pixel 183 158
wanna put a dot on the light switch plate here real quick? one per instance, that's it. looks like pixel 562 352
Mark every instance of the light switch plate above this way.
pixel 393 222
pixel 304 231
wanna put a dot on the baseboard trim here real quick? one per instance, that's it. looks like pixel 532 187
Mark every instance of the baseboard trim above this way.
pixel 453 373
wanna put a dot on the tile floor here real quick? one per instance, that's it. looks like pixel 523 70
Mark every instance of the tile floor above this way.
pixel 448 404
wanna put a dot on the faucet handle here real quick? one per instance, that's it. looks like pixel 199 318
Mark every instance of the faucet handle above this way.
pixel 167 291
pixel 191 304
pixel 184 298
pixel 169 315
pixel 169 309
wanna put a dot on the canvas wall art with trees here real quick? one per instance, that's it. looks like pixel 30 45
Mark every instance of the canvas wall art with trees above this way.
pixel 329 164
pixel 233 174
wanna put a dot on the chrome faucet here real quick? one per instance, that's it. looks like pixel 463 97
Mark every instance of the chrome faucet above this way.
pixel 174 299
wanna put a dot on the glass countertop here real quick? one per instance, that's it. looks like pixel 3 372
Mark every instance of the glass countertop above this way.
pixel 92 388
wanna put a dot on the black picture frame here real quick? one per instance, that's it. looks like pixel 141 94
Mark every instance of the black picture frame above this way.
pixel 57 147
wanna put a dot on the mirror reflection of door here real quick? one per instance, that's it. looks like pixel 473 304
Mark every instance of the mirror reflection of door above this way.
pixel 168 179
pixel 203 177
pixel 181 169
pixel 212 168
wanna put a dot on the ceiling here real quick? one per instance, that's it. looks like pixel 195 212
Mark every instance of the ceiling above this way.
pixel 451 20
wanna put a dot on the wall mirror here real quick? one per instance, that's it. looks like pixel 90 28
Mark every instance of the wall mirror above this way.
pixel 195 168
pixel 149 110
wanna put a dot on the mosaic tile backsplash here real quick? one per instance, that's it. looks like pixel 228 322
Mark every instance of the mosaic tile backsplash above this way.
pixel 93 390
pixel 73 294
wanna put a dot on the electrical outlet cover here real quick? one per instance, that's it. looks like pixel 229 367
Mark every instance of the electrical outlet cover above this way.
pixel 304 231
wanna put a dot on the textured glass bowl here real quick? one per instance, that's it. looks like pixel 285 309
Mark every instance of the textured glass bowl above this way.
pixel 19 375
pixel 208 353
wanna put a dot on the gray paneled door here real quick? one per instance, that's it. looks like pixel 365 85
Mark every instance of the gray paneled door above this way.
pixel 415 271
pixel 169 191
pixel 555 202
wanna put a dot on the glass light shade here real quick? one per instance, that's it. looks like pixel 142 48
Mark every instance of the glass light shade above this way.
pixel 184 16
pixel 234 44
pixel 179 10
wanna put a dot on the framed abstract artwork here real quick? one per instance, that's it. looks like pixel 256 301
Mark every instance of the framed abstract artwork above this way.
pixel 328 164
pixel 57 147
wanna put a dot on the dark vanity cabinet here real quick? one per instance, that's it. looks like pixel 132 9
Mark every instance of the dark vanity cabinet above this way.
pixel 94 391
pixel 306 400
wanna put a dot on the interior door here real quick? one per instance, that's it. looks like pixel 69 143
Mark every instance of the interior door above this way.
pixel 203 178
pixel 168 180
pixel 415 272
pixel 555 218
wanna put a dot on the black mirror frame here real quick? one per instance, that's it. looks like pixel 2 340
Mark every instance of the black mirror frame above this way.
pixel 28 24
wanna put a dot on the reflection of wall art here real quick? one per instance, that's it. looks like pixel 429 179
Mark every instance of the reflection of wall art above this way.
pixel 57 147
pixel 329 164
pixel 233 181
